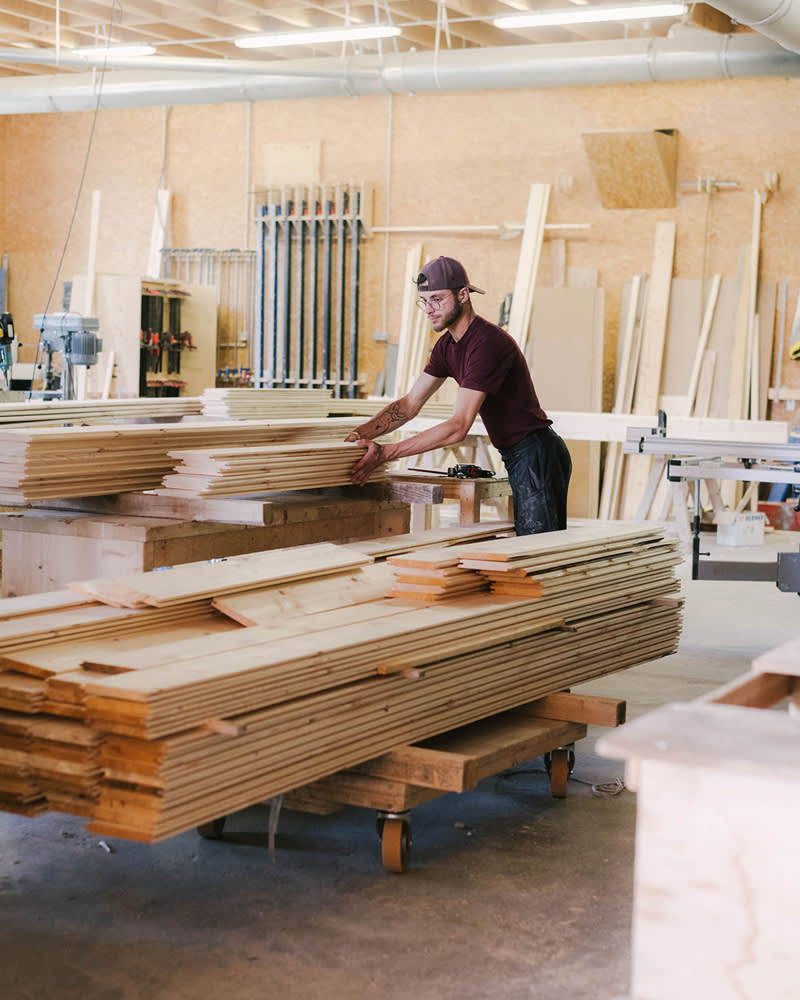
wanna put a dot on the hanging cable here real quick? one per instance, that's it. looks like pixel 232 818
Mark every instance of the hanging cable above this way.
pixel 114 6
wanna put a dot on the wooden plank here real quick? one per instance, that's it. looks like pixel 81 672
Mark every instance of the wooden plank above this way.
pixel 593 710
pixel 648 381
pixel 528 264
pixel 629 345
pixel 456 761
pixel 757 690
pixel 702 341
pixel 179 584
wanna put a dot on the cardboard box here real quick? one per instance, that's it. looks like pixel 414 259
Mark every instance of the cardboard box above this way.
pixel 740 529
pixel 781 514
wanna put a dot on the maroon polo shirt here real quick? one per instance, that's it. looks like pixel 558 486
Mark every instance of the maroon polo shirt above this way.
pixel 489 360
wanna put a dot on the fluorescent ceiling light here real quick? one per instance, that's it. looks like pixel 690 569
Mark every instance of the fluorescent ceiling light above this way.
pixel 316 36
pixel 586 15
pixel 121 51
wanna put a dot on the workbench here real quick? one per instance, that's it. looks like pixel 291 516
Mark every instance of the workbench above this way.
pixel 47 547
pixel 408 776
pixel 469 493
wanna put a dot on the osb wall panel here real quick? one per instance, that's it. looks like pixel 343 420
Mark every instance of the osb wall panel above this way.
pixel 456 159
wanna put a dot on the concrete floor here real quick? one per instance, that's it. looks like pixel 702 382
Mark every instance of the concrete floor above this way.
pixel 510 893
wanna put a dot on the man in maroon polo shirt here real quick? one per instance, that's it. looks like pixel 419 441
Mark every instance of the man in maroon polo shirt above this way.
pixel 494 381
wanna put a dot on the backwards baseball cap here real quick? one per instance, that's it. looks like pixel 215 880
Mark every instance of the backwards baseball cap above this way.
pixel 444 273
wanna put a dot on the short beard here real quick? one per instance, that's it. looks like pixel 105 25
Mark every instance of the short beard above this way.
pixel 449 318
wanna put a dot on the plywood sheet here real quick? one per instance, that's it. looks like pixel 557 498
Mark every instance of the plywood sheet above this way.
pixel 634 168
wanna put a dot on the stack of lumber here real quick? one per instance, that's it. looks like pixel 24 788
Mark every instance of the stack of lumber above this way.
pixel 433 576
pixel 585 571
pixel 225 472
pixel 64 411
pixel 201 726
pixel 265 404
pixel 42 463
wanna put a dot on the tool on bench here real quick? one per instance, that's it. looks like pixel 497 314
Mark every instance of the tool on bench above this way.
pixel 464 471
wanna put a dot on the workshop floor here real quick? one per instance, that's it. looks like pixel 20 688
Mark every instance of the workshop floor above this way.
pixel 510 893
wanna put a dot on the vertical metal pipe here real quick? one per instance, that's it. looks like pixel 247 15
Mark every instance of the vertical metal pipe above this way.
pixel 286 291
pixel 274 246
pixel 301 207
pixel 327 235
pixel 313 283
pixel 341 259
pixel 259 333
pixel 355 287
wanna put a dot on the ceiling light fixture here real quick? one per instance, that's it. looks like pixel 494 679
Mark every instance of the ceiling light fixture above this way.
pixel 316 36
pixel 587 15
pixel 110 52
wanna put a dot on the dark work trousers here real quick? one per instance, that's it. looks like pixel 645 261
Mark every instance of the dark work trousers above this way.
pixel 539 468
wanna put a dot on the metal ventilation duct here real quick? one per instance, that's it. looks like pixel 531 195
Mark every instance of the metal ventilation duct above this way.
pixel 686 55
pixel 777 19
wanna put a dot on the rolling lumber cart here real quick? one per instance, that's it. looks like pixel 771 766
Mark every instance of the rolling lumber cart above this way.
pixel 408 776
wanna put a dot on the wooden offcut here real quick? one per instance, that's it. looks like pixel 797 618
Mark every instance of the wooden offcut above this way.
pixel 634 168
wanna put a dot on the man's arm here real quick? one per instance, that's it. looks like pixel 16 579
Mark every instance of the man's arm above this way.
pixel 399 412
pixel 450 431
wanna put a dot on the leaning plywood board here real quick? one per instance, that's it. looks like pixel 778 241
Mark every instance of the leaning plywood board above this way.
pixel 569 322
pixel 634 168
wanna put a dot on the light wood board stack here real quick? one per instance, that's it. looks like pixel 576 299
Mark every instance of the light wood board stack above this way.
pixel 239 471
pixel 42 463
pixel 191 729
pixel 265 404
pixel 64 411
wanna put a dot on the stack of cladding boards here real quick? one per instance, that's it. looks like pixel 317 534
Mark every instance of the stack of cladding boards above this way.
pixel 49 756
pixel 433 575
pixel 324 700
pixel 198 727
pixel 587 571
pixel 46 640
pixel 64 411
pixel 43 463
pixel 241 471
pixel 265 404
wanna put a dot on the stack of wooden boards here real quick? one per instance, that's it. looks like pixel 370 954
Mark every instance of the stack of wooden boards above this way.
pixel 62 411
pixel 265 404
pixel 327 674
pixel 259 469
pixel 43 463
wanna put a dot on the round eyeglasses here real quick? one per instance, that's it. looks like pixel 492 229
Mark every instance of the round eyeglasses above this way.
pixel 434 302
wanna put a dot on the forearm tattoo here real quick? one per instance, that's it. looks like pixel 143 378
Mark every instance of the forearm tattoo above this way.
pixel 390 418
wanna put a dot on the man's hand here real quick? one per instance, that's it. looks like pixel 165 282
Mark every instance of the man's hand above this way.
pixel 353 436
pixel 372 458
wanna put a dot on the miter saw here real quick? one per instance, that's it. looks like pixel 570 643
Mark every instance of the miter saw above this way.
pixel 73 337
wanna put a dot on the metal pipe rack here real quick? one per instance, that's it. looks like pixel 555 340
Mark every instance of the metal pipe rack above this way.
pixel 308 285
